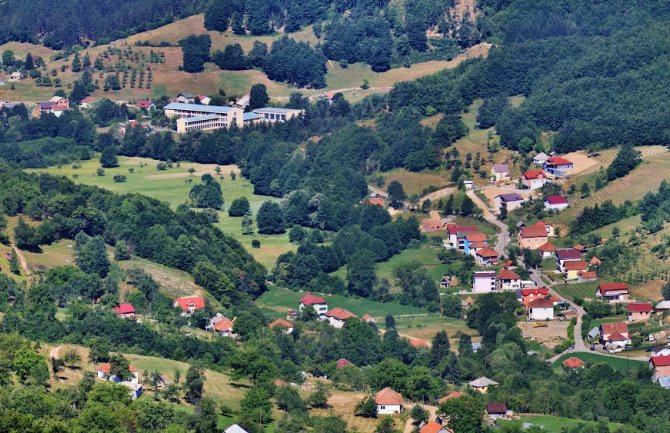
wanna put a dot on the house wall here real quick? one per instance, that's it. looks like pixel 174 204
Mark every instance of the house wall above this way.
pixel 638 315
pixel 572 275
pixel 319 308
pixel 532 243
pixel 336 323
pixel 662 371
pixel 388 409
pixel 483 285
pixel 541 313
pixel 511 205
pixel 509 284
pixel 556 207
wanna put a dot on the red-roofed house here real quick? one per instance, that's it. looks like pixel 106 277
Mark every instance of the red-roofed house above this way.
pixel 614 335
pixel 147 105
pixel 573 363
pixel 612 292
pixel 586 276
pixel 660 366
pixel 573 268
pixel 189 304
pixel 497 411
pixel 368 318
pixel 87 102
pixel 547 250
pixel 434 427
pixel 224 327
pixel 457 236
pixel 564 255
pixel 389 402
pixel 534 179
pixel 133 383
pixel 532 237
pixel 377 201
pixel 486 257
pixel 282 324
pixel 532 294
pixel 342 363
pixel 558 166
pixel 508 280
pixel 639 311
pixel 337 316
pixel 556 203
pixel 124 311
pixel 541 309
pixel 319 304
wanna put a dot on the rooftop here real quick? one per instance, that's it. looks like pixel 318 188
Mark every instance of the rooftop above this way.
pixel 388 396
pixel 614 328
pixel 556 199
pixel 640 307
pixel 201 118
pixel 310 299
pixel 510 197
pixel 276 110
pixel 506 274
pixel 576 265
pixel 603 288
pixel 533 232
pixel 573 363
pixel 340 314
pixel 481 382
pixel 557 160
pixel 568 254
pixel 541 303
pixel 534 174
pixel 197 107
pixel 496 408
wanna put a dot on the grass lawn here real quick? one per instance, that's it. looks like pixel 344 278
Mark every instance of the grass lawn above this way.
pixel 280 299
pixel 549 264
pixel 619 364
pixel 484 226
pixel 624 226
pixel 173 186
pixel 581 290
pixel 60 253
pixel 554 424
pixel 427 326
pixel 415 183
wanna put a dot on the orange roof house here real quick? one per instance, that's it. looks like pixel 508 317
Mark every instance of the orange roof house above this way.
pixel 573 363
pixel 342 363
pixel 310 299
pixel 281 323
pixel 190 303
pixel 387 396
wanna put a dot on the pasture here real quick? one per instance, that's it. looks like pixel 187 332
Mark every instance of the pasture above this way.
pixel 619 364
pixel 173 186
pixel 554 424
pixel 415 183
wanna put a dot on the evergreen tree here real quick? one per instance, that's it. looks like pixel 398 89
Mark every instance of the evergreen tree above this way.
pixel 29 64
pixel 108 158
pixel 258 96
pixel 76 63
pixel 194 384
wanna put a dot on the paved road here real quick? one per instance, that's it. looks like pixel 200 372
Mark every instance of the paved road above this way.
pixel 504 236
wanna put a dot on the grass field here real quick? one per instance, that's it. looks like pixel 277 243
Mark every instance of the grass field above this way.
pixel 581 290
pixel 173 186
pixel 415 183
pixel 426 327
pixel 619 364
pixel 624 226
pixel 280 299
pixel 554 424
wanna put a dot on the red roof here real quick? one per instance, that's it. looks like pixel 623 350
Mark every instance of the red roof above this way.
pixel 547 248
pixel 556 199
pixel 640 307
pixel 487 252
pixel 496 408
pixel 508 263
pixel 124 309
pixel 660 361
pixel 557 160
pixel 431 427
pixel 476 237
pixel 477 245
pixel 617 337
pixel 506 274
pixel 614 328
pixel 341 363
pixel 197 302
pixel 534 174
pixel 576 265
pixel 595 261
pixel 535 291
pixel 451 395
pixel 224 325
pixel 603 288
pixel 388 396
pixel 281 322
pixel 533 232
pixel 106 367
pixel 340 314
pixel 377 201
pixel 541 303
pixel 568 254
pixel 310 299
pixel 573 363
pixel 87 100
pixel 144 104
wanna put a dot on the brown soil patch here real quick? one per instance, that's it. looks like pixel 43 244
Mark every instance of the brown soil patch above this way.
pixel 551 336
pixel 581 160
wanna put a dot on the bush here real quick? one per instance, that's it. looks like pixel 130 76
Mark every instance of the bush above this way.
pixel 118 178
pixel 255 243
pixel 239 207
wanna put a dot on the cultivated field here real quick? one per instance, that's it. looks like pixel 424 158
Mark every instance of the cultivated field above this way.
pixel 173 186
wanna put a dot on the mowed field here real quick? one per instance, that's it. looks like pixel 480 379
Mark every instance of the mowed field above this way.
pixel 620 364
pixel 554 424
pixel 173 186
pixel 169 80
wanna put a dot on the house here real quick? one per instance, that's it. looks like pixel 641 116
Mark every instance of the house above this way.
pixel 532 237
pixel 376 200
pixel 557 166
pixel 136 390
pixel 87 102
pixel 547 250
pixel 474 239
pixel 500 172
pixel 221 325
pixel 124 311
pixel 564 255
pixel 389 402
pixel 660 365
pixel 146 105
pixel 660 351
pixel 185 98
pixel 319 304
pixel 204 100
pixel 573 363
pixel 614 335
pixel 509 201
pixel 573 268
pixel 484 282
pixel 595 262
pixel 532 294
pixel 549 228
pixel 486 257
pixel 434 427
pixel 284 325
pixel 16 76
pixel 534 179
pixel 243 102
pixel 497 411
pixel 586 276
pixel 235 429
pixel 541 309
pixel 277 115
pixel 540 158
pixel 482 384
pixel 612 292
pixel 56 106
pixel 639 311
pixel 189 304
pixel 457 234
pixel 448 281
pixel 508 280
pixel 476 345
pixel 450 396
pixel 368 319
pixel 662 306
pixel 337 316
pixel 556 203
pixel 343 363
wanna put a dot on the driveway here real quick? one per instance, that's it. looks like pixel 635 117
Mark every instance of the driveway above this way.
pixel 504 236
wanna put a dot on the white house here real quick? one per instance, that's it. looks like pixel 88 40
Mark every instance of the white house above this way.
pixel 319 304
pixel 660 351
pixel 284 325
pixel 16 76
pixel 612 292
pixel 534 179
pixel 235 429
pixel 509 201
pixel 482 384
pixel 221 325
pixel 508 280
pixel 500 172
pixel 484 282
pixel 540 158
pixel 486 257
pixel 337 316
pixel 564 255
pixel 541 309
pixel 558 166
pixel 389 402
pixel 103 373
pixel 497 411
pixel 556 203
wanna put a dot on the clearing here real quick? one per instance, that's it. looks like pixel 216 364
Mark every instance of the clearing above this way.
pixel 173 186
pixel 550 336
pixel 620 364
pixel 343 403
pixel 413 182
pixel 555 424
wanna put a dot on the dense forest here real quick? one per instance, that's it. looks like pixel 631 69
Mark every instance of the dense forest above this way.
pixel 72 22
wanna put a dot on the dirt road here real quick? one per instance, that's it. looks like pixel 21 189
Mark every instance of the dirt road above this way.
pixel 504 236
pixel 23 262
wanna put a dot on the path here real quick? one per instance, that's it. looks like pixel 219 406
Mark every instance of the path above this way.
pixel 504 236
pixel 53 353
pixel 23 262
pixel 436 195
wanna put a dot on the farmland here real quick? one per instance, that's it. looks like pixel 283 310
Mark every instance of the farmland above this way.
pixel 173 185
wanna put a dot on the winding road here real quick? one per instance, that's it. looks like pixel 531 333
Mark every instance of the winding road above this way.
pixel 504 236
